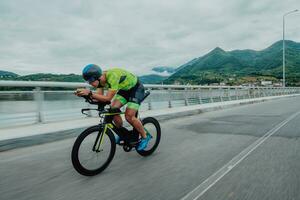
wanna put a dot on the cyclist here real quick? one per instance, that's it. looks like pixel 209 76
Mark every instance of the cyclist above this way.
pixel 123 88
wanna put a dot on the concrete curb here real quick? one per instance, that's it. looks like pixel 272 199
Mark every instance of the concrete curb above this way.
pixel 26 141
pixel 199 111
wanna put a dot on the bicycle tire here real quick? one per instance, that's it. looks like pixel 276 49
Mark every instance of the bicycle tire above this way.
pixel 153 121
pixel 75 152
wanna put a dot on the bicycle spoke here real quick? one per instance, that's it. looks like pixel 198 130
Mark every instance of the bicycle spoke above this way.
pixel 90 158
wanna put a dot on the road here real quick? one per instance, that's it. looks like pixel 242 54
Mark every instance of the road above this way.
pixel 247 152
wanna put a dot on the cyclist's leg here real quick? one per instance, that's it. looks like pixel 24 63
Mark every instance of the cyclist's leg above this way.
pixel 118 102
pixel 137 124
pixel 130 115
pixel 133 105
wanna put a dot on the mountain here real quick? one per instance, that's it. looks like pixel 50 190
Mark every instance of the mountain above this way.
pixel 206 69
pixel 152 79
pixel 219 65
pixel 52 77
pixel 148 79
pixel 45 77
pixel 7 75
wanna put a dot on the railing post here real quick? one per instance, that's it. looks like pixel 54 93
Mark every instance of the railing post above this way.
pixel 229 95
pixel 186 103
pixel 245 93
pixel 170 98
pixel 211 95
pixel 236 94
pixel 267 92
pixel 221 94
pixel 149 103
pixel 263 92
pixel 258 91
pixel 39 98
pixel 199 96
pixel 249 94
pixel 242 93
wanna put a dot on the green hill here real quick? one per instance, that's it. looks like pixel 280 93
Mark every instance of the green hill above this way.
pixel 44 77
pixel 220 66
pixel 7 75
pixel 52 77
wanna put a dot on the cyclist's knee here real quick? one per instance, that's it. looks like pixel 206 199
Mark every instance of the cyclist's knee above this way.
pixel 130 118
pixel 116 104
pixel 118 121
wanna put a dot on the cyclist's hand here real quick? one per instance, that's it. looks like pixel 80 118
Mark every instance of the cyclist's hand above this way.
pixel 76 92
pixel 84 92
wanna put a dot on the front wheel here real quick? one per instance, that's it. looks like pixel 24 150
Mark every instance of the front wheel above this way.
pixel 153 127
pixel 90 156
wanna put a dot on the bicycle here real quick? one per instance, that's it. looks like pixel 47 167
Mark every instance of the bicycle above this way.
pixel 99 141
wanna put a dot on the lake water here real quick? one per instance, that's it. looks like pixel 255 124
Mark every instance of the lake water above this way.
pixel 21 108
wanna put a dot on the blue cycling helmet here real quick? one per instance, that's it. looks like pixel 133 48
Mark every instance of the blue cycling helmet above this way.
pixel 91 72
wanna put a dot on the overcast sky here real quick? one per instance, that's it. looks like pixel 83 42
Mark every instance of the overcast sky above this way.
pixel 61 36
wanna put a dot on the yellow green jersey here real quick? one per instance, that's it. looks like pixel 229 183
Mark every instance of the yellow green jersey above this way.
pixel 120 79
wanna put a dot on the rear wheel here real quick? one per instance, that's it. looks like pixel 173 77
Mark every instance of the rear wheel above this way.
pixel 153 127
pixel 87 157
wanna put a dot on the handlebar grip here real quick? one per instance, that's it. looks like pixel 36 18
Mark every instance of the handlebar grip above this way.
pixel 83 110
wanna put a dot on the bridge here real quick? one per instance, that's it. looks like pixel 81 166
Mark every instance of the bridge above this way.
pixel 217 143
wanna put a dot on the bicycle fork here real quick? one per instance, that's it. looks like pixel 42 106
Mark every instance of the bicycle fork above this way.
pixel 99 139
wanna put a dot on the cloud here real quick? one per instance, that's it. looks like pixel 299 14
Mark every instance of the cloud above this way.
pixel 62 36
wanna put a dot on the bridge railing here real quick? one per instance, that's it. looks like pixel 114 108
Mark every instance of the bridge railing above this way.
pixel 43 102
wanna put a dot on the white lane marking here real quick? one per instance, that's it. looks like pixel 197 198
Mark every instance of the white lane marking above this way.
pixel 213 179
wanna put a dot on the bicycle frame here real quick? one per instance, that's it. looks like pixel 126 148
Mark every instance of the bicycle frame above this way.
pixel 105 124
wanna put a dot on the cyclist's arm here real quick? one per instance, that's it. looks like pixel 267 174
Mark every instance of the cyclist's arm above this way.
pixel 113 81
pixel 104 98
pixel 99 91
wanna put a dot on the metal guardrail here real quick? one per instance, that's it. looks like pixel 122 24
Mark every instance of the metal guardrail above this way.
pixel 162 96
